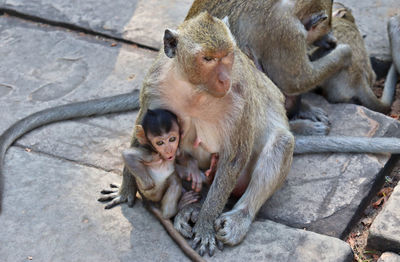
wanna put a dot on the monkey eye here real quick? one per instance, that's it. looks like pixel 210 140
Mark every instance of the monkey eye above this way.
pixel 159 143
pixel 208 58
pixel 172 139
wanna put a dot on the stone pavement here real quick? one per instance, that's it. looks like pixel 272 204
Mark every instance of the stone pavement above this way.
pixel 50 217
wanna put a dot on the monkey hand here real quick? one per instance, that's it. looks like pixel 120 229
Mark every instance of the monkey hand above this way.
pixel 191 173
pixel 188 214
pixel 345 54
pixel 187 198
pixel 204 236
pixel 117 196
pixel 232 226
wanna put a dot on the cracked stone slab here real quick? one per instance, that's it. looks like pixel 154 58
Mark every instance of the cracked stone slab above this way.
pixel 141 21
pixel 389 257
pixel 145 21
pixel 43 67
pixel 51 214
pixel 371 18
pixel 323 192
pixel 384 233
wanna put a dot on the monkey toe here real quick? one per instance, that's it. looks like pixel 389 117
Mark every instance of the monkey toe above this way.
pixel 108 191
pixel 118 200
pixel 108 197
pixel 204 242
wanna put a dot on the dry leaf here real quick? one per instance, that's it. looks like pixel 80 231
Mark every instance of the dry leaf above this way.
pixel 378 202
pixel 114 44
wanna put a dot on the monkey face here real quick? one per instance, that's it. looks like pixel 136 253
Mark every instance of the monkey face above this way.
pixel 214 71
pixel 166 144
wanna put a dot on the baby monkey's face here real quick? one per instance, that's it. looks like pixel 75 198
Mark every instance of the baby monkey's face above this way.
pixel 166 144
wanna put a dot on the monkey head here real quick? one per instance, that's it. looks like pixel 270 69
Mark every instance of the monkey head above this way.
pixel 166 144
pixel 203 49
pixel 341 11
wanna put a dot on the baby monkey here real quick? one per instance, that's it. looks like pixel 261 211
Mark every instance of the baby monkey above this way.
pixel 154 165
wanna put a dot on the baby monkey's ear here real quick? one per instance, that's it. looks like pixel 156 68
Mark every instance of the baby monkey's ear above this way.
pixel 140 135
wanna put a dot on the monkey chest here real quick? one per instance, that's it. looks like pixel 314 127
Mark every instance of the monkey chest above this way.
pixel 159 174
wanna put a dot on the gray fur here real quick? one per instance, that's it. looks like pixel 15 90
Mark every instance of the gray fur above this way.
pixel 324 144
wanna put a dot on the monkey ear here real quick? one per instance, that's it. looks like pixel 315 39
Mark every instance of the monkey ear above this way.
pixel 170 42
pixel 140 135
pixel 226 21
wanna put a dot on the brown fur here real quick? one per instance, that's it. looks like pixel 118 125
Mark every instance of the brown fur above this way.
pixel 246 126
pixel 355 82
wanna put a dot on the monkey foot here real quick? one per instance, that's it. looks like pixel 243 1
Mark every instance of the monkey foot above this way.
pixel 232 226
pixel 116 197
pixel 305 127
pixel 185 217
pixel 313 113
pixel 204 238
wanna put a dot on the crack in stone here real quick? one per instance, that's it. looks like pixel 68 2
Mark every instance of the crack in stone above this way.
pixel 68 160
pixel 71 27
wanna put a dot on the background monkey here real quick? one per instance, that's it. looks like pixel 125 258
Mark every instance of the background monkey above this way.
pixel 394 38
pixel 278 43
pixel 353 84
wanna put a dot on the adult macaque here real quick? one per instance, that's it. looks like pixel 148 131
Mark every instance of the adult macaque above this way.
pixel 223 101
pixel 274 34
pixel 354 83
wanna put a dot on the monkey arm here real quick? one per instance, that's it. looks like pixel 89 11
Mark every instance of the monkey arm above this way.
pixel 135 159
pixel 299 75
pixel 217 196
pixel 189 170
pixel 394 37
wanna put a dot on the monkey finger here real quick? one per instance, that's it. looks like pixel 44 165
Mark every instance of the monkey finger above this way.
pixel 131 200
pixel 115 202
pixel 185 230
pixel 195 215
pixel 220 245
pixel 219 224
pixel 195 243
pixel 108 197
pixel 108 191
pixel 211 247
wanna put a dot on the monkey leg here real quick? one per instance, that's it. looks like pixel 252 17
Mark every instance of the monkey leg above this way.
pixel 169 202
pixel 125 193
pixel 394 37
pixel 268 174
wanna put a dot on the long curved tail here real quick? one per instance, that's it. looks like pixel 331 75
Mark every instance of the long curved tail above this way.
pixel 113 104
pixel 325 144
